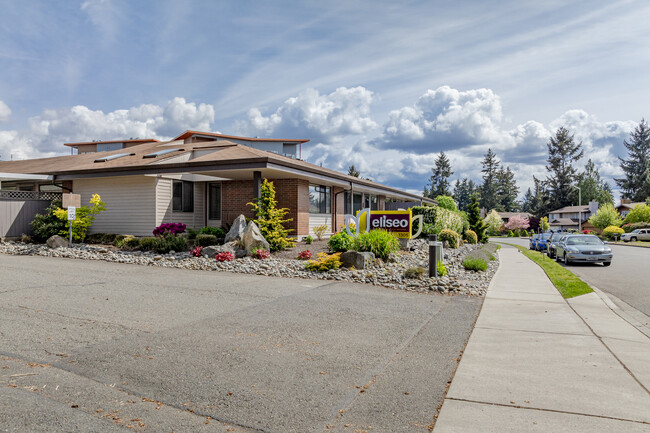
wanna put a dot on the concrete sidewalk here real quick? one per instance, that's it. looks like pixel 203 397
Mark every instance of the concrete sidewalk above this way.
pixel 538 363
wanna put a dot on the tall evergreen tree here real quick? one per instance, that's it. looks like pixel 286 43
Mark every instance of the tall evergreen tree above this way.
pixel 476 223
pixel 463 191
pixel 636 168
pixel 541 204
pixel 507 190
pixel 563 152
pixel 490 187
pixel 592 187
pixel 439 180
pixel 527 204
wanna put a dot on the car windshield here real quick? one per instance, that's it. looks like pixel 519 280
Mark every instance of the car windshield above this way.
pixel 636 231
pixel 583 240
pixel 545 236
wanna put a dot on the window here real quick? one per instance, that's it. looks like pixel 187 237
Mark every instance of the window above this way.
pixel 289 149
pixel 183 196
pixel 357 203
pixel 105 147
pixel 214 201
pixel 319 199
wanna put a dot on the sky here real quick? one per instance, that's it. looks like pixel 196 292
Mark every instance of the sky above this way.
pixel 383 85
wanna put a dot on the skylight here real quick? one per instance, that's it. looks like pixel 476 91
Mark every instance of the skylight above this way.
pixel 161 153
pixel 112 157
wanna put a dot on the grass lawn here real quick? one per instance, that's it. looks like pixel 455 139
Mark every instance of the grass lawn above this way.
pixel 564 280
pixel 637 243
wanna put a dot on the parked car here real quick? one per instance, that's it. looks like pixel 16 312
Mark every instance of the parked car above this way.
pixel 636 235
pixel 552 242
pixel 583 248
pixel 532 242
pixel 542 241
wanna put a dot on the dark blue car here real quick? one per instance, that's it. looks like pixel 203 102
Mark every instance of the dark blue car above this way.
pixel 541 243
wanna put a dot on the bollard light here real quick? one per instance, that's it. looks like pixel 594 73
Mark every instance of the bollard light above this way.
pixel 433 259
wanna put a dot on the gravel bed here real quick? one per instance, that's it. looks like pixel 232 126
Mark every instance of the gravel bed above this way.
pixel 391 275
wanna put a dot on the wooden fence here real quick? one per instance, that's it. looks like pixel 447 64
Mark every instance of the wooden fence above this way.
pixel 17 210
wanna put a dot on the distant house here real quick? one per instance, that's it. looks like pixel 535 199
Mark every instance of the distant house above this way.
pixel 626 206
pixel 505 216
pixel 569 217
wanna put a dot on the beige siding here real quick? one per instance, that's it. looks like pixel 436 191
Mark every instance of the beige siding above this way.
pixel 165 214
pixel 130 203
pixel 320 219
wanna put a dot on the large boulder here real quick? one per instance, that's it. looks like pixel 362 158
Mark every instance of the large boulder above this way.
pixel 236 230
pixel 356 259
pixel 231 247
pixel 57 241
pixel 252 238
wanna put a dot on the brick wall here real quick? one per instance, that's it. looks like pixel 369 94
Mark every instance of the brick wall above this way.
pixel 234 196
pixel 290 193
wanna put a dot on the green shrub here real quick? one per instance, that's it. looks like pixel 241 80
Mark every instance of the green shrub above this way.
pixel 630 227
pixel 191 234
pixel 511 234
pixel 148 243
pixel 379 242
pixel 132 243
pixel 610 231
pixel 95 238
pixel 446 202
pixel 441 267
pixel 121 240
pixel 309 240
pixel 475 264
pixel 450 236
pixel 325 262
pixel 470 237
pixel 525 233
pixel 340 242
pixel 85 216
pixel 415 272
pixel 218 232
pixel 47 224
pixel 109 238
pixel 168 243
pixel 437 219
pixel 205 240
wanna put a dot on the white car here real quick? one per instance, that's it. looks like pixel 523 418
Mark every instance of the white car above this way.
pixel 636 235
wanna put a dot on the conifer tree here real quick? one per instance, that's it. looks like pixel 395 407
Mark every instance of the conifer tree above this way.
pixel 439 180
pixel 476 223
pixel 636 168
pixel 507 190
pixel 489 189
pixel 563 152
pixel 463 191
pixel 592 187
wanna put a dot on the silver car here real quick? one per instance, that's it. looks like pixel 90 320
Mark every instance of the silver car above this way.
pixel 583 248
pixel 551 245
pixel 636 235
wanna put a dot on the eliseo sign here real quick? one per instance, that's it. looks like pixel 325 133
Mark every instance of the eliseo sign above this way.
pixel 399 222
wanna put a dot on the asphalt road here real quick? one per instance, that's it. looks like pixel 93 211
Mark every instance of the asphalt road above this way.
pixel 628 277
pixel 105 347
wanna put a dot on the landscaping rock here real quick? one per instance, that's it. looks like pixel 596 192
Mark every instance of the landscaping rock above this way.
pixel 393 258
pixel 211 251
pixel 57 241
pixel 252 238
pixel 237 230
pixel 357 260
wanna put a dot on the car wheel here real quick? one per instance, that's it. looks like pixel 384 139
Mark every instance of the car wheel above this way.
pixel 566 260
pixel 607 263
pixel 633 239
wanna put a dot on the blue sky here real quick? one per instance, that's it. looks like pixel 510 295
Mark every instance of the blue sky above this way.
pixel 382 85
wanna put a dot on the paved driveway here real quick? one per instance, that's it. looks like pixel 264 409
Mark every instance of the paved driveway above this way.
pixel 95 346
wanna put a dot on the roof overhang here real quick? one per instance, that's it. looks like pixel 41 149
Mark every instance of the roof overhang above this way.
pixel 7 177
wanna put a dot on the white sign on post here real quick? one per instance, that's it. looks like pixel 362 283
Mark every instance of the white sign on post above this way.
pixel 72 213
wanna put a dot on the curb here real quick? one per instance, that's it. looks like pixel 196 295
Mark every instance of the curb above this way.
pixel 623 314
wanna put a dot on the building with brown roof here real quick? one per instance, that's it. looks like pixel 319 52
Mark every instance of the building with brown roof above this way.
pixel 573 217
pixel 199 179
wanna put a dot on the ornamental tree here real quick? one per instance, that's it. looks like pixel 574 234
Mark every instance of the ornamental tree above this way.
pixel 271 220
pixel 605 217
pixel 640 214
pixel 494 222
pixel 543 224
pixel 85 216
pixel 517 222
pixel 476 223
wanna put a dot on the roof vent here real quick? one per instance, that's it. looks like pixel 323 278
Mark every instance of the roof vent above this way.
pixel 112 157
pixel 161 153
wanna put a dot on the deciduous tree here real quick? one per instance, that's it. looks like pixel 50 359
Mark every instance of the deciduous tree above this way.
pixel 606 216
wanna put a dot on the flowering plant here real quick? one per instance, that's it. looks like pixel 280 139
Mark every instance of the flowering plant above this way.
pixel 260 253
pixel 196 251
pixel 304 255
pixel 225 256
pixel 169 229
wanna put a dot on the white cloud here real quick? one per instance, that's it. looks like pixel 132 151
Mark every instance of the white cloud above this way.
pixel 104 15
pixel 5 112
pixel 46 133
pixel 321 118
